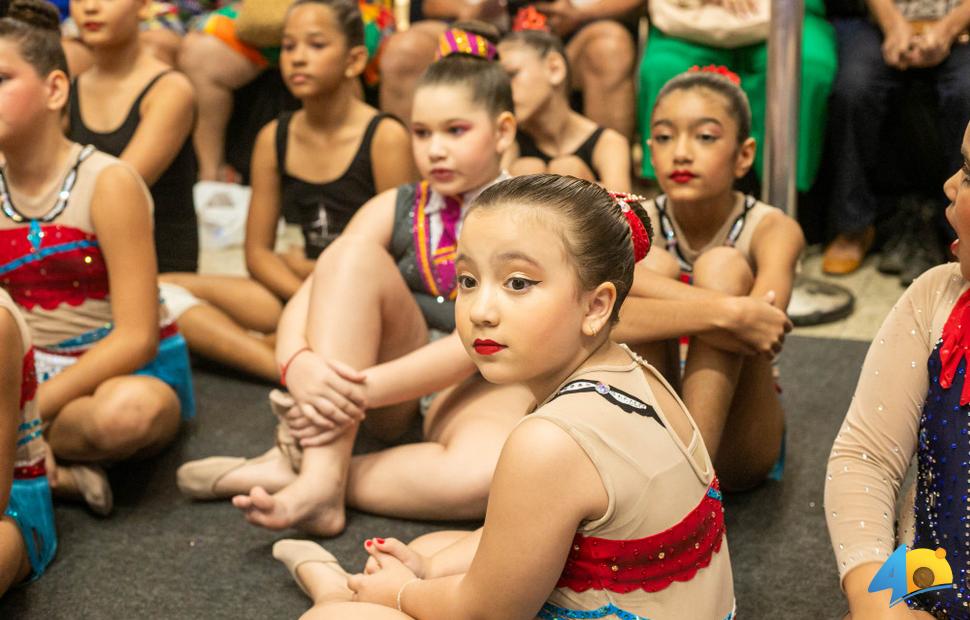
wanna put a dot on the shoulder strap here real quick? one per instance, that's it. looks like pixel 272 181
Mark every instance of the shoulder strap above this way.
pixel 738 226
pixel 670 234
pixel 615 396
pixel 364 150
pixel 148 87
pixel 282 137
pixel 585 150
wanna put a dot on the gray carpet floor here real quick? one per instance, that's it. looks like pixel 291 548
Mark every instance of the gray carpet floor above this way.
pixel 162 556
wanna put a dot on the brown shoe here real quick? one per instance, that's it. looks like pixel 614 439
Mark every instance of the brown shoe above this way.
pixel 846 252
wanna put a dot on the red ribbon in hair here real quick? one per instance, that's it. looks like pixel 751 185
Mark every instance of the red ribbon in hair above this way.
pixel 528 18
pixel 718 69
pixel 638 233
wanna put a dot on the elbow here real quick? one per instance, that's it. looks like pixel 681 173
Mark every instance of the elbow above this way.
pixel 142 348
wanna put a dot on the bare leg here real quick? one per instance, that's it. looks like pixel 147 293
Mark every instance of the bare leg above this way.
pixel 602 55
pixel 125 417
pixel 216 71
pixel 405 57
pixel 732 396
pixel 245 301
pixel 361 312
pixel 14 563
pixel 448 476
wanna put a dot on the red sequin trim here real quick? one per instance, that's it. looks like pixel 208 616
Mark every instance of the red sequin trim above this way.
pixel 652 563
pixel 956 342
pixel 28 379
pixel 69 277
pixel 30 471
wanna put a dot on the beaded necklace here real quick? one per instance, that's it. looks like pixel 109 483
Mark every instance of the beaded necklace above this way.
pixel 10 210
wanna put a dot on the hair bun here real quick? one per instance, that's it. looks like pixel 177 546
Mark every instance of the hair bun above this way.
pixel 37 13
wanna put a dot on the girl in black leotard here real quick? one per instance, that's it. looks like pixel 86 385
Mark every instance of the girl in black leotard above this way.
pixel 315 167
pixel 552 137
pixel 131 105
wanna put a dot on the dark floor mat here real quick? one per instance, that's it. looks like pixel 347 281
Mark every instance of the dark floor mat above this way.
pixel 161 556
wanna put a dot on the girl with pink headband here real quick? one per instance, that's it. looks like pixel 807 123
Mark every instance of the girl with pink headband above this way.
pixel 604 503
pixel 354 339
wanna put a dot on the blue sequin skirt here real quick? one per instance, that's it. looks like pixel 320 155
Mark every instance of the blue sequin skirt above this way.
pixel 552 612
pixel 31 507
pixel 171 366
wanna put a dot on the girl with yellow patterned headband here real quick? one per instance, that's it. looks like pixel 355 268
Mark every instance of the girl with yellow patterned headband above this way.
pixel 356 340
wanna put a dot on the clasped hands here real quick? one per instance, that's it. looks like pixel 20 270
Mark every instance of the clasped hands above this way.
pixel 903 48
pixel 329 397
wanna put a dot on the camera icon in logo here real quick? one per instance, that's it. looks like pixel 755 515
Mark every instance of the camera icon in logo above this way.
pixel 911 572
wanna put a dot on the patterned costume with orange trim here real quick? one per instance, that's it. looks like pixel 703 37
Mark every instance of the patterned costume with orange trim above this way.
pixel 659 552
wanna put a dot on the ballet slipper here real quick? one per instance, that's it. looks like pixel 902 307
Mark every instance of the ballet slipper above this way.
pixel 279 403
pixel 91 482
pixel 198 479
pixel 294 553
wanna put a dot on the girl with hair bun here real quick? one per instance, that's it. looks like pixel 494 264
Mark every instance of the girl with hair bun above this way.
pixel 356 335
pixel 738 254
pixel 551 136
pixel 604 503
pixel 77 258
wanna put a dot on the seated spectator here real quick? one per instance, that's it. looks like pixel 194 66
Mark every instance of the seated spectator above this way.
pixel 551 137
pixel 231 319
pixel 666 56
pixel 905 39
pixel 218 62
pixel 600 51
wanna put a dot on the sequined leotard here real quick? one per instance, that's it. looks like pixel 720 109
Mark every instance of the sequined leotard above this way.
pixel 52 266
pixel 30 496
pixel 912 400
pixel 659 552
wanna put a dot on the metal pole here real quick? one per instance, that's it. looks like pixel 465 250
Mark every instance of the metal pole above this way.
pixel 813 301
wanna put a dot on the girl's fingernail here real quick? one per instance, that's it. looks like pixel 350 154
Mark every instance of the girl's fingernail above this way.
pixel 380 541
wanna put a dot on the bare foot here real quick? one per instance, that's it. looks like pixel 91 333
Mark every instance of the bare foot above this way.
pixel 270 471
pixel 299 505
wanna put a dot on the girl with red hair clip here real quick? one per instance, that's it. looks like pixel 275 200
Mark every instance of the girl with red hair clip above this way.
pixel 604 503
pixel 740 256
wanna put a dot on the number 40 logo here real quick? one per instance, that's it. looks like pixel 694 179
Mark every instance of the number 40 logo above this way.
pixel 908 573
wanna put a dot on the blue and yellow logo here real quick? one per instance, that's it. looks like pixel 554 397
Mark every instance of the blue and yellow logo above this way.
pixel 909 573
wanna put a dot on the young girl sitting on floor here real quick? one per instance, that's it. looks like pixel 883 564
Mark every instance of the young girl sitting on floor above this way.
pixel 75 224
pixel 544 264
pixel 376 293
pixel 28 539
pixel 131 105
pixel 727 245
pixel 912 402
pixel 552 137
pixel 316 166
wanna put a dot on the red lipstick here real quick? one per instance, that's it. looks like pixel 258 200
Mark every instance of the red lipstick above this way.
pixel 487 347
pixel 682 176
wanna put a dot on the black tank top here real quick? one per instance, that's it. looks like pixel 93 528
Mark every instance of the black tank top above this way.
pixel 176 229
pixel 323 209
pixel 528 148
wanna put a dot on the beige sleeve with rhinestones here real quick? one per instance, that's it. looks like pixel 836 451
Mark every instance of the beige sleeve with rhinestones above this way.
pixel 877 440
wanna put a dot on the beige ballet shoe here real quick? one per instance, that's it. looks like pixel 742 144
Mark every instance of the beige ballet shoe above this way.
pixel 294 553
pixel 198 479
pixel 279 403
pixel 92 483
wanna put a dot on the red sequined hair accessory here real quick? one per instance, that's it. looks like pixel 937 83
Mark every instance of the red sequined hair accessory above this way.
pixel 458 41
pixel 528 18
pixel 638 232
pixel 719 70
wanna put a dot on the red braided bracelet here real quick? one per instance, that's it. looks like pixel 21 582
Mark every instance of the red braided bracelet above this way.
pixel 286 366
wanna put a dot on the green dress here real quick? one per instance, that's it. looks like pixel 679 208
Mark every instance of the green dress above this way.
pixel 666 57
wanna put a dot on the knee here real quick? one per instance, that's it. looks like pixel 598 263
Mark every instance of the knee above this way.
pixel 725 270
pixel 609 51
pixel 350 254
pixel 570 166
pixel 406 53
pixel 198 57
pixel 663 263
pixel 126 419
